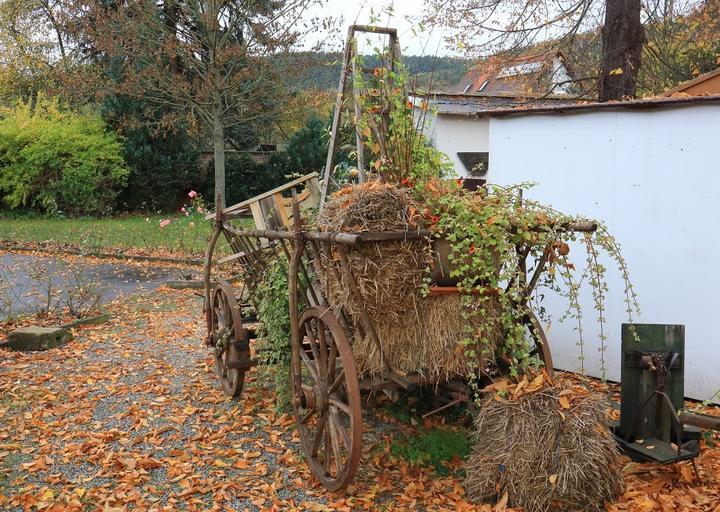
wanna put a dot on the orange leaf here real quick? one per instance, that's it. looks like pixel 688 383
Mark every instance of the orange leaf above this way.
pixel 564 402
pixel 502 503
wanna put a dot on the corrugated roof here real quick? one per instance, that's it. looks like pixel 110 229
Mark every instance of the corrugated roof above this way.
pixel 498 105
pixel 465 104
pixel 639 104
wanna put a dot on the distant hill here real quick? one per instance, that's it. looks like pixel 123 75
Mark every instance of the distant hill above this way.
pixel 321 70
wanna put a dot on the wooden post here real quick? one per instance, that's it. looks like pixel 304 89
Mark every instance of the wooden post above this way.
pixel 358 115
pixel 332 145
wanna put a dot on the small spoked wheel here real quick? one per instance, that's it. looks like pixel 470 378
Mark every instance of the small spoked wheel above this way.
pixel 541 348
pixel 229 339
pixel 326 399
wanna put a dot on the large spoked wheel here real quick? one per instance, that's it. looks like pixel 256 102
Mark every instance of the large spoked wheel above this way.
pixel 326 399
pixel 229 339
pixel 541 350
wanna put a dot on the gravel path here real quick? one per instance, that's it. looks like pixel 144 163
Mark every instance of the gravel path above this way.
pixel 128 417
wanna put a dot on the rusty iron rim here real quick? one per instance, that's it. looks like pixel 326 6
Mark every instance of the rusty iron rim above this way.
pixel 542 346
pixel 326 399
pixel 227 334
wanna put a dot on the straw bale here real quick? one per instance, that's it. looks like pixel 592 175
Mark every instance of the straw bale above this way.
pixel 546 452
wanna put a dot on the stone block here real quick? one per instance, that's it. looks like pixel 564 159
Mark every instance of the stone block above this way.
pixel 38 338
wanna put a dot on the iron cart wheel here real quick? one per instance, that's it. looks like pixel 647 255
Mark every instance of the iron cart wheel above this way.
pixel 326 399
pixel 229 340
pixel 542 347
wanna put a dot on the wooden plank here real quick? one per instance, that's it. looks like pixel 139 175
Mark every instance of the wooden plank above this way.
pixel 373 29
pixel 339 238
pixel 239 214
pixel 281 188
pixel 232 257
pixel 280 209
pixel 381 236
pixel 257 215
pixel 267 206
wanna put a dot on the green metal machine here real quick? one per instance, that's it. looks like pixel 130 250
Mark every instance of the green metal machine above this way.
pixel 653 425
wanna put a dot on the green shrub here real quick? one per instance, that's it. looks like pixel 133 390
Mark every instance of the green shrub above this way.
pixel 54 160
pixel 307 147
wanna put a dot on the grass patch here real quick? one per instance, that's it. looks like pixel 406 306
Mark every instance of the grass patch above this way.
pixel 434 448
pixel 184 235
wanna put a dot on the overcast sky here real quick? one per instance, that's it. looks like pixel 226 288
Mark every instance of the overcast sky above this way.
pixel 404 18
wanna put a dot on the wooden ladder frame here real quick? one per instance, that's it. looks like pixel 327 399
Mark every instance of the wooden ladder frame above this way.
pixel 349 66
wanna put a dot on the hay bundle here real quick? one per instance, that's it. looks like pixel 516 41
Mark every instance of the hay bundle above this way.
pixel 388 275
pixel 417 334
pixel 427 340
pixel 548 453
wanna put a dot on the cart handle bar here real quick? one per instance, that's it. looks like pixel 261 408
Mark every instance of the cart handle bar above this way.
pixel 359 238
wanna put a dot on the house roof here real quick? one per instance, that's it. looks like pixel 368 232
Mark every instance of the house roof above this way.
pixel 691 85
pixel 465 104
pixel 495 105
pixel 529 73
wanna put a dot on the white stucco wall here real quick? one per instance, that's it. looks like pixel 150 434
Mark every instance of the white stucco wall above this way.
pixel 458 133
pixel 654 178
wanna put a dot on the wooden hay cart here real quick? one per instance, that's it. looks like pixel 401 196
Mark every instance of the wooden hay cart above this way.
pixel 326 390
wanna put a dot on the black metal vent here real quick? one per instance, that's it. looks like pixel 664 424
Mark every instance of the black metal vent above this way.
pixel 476 163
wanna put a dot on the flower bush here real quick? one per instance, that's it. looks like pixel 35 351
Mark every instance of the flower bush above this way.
pixel 58 161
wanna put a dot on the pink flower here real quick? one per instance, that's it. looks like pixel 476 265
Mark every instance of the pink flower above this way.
pixel 182 209
pixel 192 194
pixel 164 222
pixel 199 209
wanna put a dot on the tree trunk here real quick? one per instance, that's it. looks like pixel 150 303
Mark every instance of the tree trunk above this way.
pixel 622 37
pixel 219 151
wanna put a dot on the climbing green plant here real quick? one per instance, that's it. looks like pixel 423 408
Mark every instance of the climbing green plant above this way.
pixel 392 133
pixel 492 232
pixel 274 331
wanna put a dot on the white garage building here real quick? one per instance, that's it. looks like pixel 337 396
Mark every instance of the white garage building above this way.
pixel 651 170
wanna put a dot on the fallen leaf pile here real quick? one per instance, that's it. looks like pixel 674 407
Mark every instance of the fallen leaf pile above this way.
pixel 505 387
pixel 129 416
